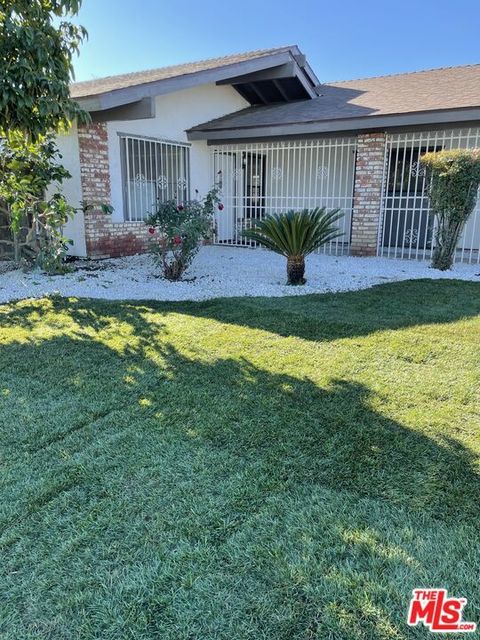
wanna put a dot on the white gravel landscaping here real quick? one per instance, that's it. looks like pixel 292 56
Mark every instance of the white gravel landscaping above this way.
pixel 218 272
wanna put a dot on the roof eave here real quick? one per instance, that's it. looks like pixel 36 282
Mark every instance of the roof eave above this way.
pixel 127 95
pixel 343 125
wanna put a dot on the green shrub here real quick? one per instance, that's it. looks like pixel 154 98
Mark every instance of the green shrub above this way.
pixel 295 234
pixel 454 180
pixel 176 231
pixel 27 170
pixel 31 178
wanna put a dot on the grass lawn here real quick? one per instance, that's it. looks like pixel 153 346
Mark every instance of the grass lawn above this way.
pixel 262 469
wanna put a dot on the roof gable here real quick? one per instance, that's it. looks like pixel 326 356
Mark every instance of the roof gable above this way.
pixel 245 71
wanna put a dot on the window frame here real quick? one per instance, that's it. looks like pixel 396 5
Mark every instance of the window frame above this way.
pixel 181 164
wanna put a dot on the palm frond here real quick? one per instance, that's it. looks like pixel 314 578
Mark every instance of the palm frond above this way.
pixel 296 233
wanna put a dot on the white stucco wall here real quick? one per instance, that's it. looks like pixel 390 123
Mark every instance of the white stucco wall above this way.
pixel 175 113
pixel 72 188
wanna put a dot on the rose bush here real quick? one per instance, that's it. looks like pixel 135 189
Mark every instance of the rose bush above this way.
pixel 176 231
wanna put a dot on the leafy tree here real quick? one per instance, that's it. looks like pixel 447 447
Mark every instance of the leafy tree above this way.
pixel 295 235
pixel 37 46
pixel 454 182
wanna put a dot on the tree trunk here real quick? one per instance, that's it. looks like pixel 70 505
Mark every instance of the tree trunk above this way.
pixel 296 270
pixel 446 240
pixel 173 270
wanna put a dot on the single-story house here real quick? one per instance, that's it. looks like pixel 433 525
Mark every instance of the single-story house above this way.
pixel 276 138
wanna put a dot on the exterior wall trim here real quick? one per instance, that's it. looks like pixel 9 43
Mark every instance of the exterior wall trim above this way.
pixel 124 134
pixel 339 127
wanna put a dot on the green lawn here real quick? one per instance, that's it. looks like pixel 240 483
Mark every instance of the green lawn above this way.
pixel 262 469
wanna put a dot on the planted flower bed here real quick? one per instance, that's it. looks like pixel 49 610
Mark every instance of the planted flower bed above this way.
pixel 177 230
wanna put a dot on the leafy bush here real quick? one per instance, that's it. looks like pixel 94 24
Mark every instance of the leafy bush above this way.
pixel 31 178
pixel 27 169
pixel 176 231
pixel 295 234
pixel 454 180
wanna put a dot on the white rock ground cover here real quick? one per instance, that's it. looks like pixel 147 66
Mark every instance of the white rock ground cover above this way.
pixel 218 272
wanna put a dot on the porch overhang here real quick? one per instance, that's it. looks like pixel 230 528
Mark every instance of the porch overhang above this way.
pixel 285 82
pixel 371 123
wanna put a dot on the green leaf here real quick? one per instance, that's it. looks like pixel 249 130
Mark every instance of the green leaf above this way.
pixel 296 233
pixel 37 54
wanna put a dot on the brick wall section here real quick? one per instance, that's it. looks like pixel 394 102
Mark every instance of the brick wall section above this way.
pixel 367 194
pixel 104 238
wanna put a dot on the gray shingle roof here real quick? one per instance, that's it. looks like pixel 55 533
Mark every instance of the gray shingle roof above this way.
pixel 433 90
pixel 112 83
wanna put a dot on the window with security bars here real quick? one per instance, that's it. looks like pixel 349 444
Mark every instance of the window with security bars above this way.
pixel 153 171
pixel 408 224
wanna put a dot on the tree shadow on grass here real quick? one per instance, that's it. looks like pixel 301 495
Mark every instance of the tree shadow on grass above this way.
pixel 314 317
pixel 243 443
pixel 320 317
pixel 306 434
pixel 299 432
pixel 349 314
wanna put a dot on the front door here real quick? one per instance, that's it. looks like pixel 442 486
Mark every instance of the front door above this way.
pixel 241 178
pixel 253 165
pixel 226 220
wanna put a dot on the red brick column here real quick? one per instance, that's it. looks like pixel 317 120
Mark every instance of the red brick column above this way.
pixel 104 238
pixel 367 195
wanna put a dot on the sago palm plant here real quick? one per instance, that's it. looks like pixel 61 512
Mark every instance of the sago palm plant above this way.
pixel 295 234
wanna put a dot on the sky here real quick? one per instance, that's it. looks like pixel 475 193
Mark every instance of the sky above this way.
pixel 342 39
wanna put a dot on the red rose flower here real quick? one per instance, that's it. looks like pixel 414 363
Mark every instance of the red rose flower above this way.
pixel 221 206
pixel 177 240
pixel 180 207
pixel 151 230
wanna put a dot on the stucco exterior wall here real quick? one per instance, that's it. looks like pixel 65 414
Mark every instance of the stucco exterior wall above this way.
pixel 175 113
pixel 72 188
pixel 100 170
